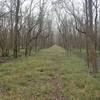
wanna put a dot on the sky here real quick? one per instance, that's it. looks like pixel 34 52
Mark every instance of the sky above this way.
pixel 52 14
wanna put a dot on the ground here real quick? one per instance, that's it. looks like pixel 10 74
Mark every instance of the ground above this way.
pixel 52 74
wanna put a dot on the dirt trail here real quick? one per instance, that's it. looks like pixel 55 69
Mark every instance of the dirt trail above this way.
pixel 57 95
pixel 2 61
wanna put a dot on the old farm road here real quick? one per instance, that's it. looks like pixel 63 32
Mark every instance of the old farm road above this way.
pixel 52 74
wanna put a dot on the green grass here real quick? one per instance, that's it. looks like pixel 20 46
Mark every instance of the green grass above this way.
pixel 50 74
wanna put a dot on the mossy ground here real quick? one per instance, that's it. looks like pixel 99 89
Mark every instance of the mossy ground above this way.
pixel 52 74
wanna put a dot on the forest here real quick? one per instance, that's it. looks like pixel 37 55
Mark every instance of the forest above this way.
pixel 49 49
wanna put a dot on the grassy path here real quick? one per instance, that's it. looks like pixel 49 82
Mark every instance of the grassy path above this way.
pixel 50 75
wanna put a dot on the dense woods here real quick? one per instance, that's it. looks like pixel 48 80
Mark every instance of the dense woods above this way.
pixel 21 29
pixel 28 26
pixel 78 28
pixel 49 49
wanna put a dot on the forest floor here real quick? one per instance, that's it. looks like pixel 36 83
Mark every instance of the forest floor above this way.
pixel 52 74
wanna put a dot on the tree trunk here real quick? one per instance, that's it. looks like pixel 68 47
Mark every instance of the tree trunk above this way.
pixel 16 30
pixel 91 41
